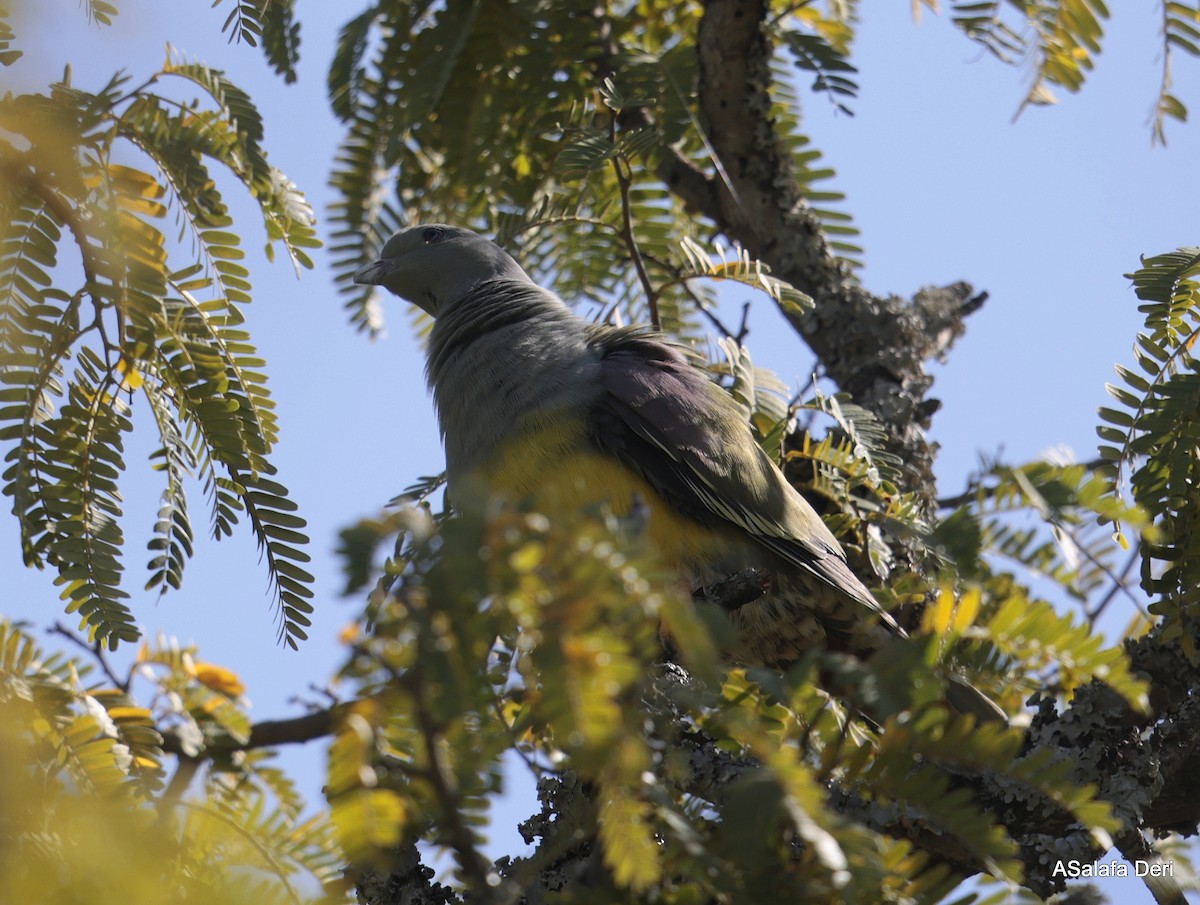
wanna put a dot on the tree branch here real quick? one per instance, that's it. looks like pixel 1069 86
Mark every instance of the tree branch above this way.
pixel 96 649
pixel 440 775
pixel 872 347
pixel 269 733
pixel 620 169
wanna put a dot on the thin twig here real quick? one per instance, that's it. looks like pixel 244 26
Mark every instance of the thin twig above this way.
pixel 635 253
pixel 96 649
pixel 703 308
pixel 536 769
pixel 445 787
pixel 744 327
pixel 787 11
pixel 139 90
pixel 1108 573
pixel 976 490
pixel 1118 585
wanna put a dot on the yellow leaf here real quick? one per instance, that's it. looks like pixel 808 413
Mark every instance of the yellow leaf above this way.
pixel 218 678
pixel 936 620
pixel 143 206
pixel 966 611
pixel 510 710
pixel 527 557
pixel 130 713
pixel 1041 96
pixel 951 614
pixel 365 709
pixel 133 379
pixel 368 822
pixel 630 848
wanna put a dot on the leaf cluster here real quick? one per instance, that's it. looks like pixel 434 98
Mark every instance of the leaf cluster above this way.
pixel 7 56
pixel 1052 520
pixel 85 809
pixel 100 305
pixel 556 120
pixel 1059 40
pixel 1149 443
pixel 270 23
pixel 820 43
pixel 512 633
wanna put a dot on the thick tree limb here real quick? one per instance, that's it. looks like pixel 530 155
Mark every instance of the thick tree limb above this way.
pixel 873 347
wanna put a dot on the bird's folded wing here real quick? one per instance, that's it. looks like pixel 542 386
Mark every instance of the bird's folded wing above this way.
pixel 661 416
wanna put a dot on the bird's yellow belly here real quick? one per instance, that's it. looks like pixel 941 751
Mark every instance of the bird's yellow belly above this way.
pixel 553 470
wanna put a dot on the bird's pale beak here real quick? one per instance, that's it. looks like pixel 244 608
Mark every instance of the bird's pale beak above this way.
pixel 372 273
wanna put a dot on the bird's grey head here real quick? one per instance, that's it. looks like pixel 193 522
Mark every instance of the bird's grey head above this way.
pixel 434 265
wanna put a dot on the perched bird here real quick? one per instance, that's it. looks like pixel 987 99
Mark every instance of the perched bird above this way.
pixel 537 403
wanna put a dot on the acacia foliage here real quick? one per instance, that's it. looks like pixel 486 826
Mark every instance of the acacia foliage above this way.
pixel 701 785
pixel 103 306
pixel 87 811
pixel 1149 442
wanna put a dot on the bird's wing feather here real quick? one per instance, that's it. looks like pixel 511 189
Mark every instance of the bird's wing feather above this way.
pixel 661 416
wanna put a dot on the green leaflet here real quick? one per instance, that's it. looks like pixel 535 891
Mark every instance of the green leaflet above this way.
pixel 151 317
pixel 273 25
pixel 1148 443
pixel 503 98
pixel 93 780
pixel 1063 38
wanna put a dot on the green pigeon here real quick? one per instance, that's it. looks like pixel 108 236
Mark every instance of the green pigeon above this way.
pixel 538 404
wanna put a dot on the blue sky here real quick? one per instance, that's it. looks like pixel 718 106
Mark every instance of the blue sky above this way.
pixel 1046 213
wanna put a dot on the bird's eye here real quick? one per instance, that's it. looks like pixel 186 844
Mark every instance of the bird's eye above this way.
pixel 433 234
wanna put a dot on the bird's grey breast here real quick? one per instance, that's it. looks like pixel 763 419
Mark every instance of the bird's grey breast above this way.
pixel 506 357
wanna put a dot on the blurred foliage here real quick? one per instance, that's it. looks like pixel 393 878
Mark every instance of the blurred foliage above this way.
pixel 505 635
pixel 1059 42
pixel 1078 503
pixel 86 813
pixel 510 632
pixel 271 24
